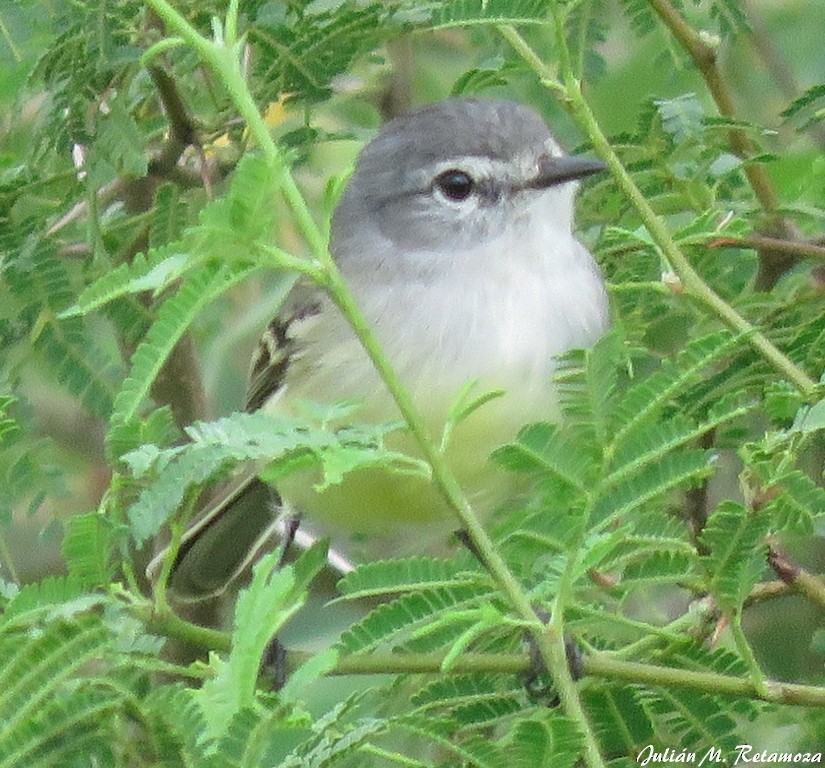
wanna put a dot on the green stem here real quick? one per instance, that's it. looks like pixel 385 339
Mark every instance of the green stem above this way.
pixel 746 652
pixel 603 665
pixel 692 283
pixel 169 624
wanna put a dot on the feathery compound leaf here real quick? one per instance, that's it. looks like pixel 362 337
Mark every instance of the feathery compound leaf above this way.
pixel 641 15
pixel 234 225
pixel 644 400
pixel 552 741
pixel 154 271
pixel 42 284
pixel 68 729
pixel 335 745
pixel 735 538
pixel 34 665
pixel 460 13
pixel 798 503
pixel 649 445
pixel 178 725
pixel 620 721
pixel 257 437
pixel 472 750
pixel 654 567
pixel 545 447
pixel 9 428
pixel 674 470
pixel 386 577
pixel 808 108
pixel 167 220
pixel 404 614
pixel 173 319
pixel 229 229
pixel 38 599
pixel 471 700
pixel 302 48
pixel 586 382
pixel 697 721
pixel 262 609
pixel 88 548
pixel 730 16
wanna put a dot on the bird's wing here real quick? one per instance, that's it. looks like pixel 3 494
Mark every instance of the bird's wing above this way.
pixel 241 516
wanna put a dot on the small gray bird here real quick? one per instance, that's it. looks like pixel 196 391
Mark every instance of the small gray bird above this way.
pixel 455 236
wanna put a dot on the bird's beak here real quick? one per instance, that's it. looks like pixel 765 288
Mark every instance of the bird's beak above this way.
pixel 557 170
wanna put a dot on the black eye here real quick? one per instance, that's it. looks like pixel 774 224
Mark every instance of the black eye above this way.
pixel 455 185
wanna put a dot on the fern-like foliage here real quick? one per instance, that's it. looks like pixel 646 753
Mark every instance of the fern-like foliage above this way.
pixel 807 110
pixel 451 13
pixel 42 285
pixel 255 438
pixel 139 224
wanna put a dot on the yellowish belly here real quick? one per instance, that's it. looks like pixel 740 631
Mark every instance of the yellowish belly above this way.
pixel 377 501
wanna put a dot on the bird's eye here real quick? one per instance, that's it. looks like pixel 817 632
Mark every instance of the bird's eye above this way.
pixel 455 185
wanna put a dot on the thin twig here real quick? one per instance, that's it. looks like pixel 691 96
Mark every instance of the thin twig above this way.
pixel 796 577
pixel 772 264
pixel 800 248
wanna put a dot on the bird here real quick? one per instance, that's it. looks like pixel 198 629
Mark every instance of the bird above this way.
pixel 454 234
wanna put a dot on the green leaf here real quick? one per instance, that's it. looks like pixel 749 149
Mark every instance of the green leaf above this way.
pixel 385 577
pixel 807 110
pixel 261 611
pixel 154 272
pixel 300 50
pixel 407 612
pixel 33 666
pixel 462 13
pixel 257 438
pixel 471 700
pixel 9 428
pixel 735 539
pixel 42 283
pixel 643 401
pixel 681 117
pixel 553 740
pixel 119 141
pixel 800 501
pixel 730 15
pixel 474 750
pixel 88 549
pixel 173 319
pixel 335 734
pixel 672 471
pixel 651 444
pixel 697 721
pixel 546 448
pixel 33 601
pixel 810 418
pixel 167 221
pixel 618 717
pixel 587 382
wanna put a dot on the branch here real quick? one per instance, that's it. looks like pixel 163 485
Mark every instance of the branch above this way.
pixel 602 665
pixel 796 248
pixel 796 577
